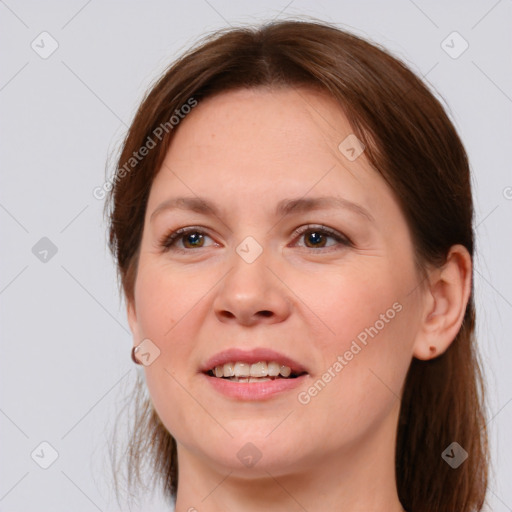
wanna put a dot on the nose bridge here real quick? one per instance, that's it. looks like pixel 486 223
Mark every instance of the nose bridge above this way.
pixel 250 292
pixel 249 267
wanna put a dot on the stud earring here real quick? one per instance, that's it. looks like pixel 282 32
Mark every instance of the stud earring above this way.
pixel 134 359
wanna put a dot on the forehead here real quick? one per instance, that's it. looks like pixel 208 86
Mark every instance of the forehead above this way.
pixel 272 123
pixel 260 145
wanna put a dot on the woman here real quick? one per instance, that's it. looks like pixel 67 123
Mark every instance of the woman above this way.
pixel 292 223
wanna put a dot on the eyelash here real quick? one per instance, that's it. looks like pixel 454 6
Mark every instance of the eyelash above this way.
pixel 168 241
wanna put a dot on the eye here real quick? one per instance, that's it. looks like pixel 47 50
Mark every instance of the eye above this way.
pixel 184 239
pixel 317 237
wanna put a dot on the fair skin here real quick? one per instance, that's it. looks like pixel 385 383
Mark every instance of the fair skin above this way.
pixel 306 296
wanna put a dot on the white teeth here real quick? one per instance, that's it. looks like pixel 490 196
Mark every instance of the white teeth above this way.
pixel 242 369
pixel 285 371
pixel 256 372
pixel 229 369
pixel 273 369
pixel 259 369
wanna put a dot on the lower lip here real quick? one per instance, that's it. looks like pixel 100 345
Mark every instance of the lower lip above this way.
pixel 254 390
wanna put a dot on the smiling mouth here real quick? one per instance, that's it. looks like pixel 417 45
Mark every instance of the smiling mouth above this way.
pixel 256 372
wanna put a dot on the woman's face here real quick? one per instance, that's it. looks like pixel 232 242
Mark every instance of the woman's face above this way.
pixel 297 255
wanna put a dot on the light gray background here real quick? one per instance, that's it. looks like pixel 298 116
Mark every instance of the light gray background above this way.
pixel 65 362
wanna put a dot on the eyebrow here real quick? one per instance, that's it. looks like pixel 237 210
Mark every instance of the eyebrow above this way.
pixel 284 208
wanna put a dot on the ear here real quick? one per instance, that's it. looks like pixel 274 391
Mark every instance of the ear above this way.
pixel 447 294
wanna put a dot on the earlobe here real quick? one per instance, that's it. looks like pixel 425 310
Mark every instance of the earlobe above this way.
pixel 448 290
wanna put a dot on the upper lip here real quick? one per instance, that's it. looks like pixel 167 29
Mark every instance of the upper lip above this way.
pixel 255 355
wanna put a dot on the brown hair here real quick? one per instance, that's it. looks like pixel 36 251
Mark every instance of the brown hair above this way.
pixel 409 140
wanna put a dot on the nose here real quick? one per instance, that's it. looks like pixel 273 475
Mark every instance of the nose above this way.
pixel 252 293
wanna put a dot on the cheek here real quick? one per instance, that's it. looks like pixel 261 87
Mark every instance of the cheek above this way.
pixel 361 378
pixel 362 302
pixel 364 363
pixel 168 304
pixel 365 347
pixel 165 296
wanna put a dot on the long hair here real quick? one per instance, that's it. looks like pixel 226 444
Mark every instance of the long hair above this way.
pixel 412 143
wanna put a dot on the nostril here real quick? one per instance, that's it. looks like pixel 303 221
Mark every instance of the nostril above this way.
pixel 265 313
